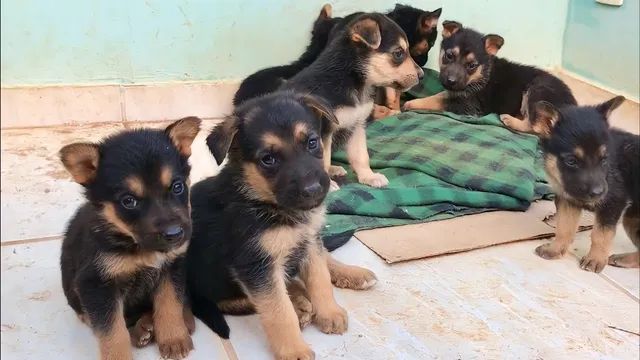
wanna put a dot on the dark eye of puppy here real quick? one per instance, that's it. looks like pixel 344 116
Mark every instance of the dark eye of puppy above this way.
pixel 177 187
pixel 268 160
pixel 398 55
pixel 571 161
pixel 472 65
pixel 312 143
pixel 129 202
pixel 604 160
pixel 448 55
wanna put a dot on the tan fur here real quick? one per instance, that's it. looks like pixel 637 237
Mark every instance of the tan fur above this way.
pixel 110 215
pixel 366 31
pixel 122 265
pixel 350 276
pixel 578 152
pixel 631 224
pixel 602 150
pixel 183 132
pixel 237 306
pixel 449 28
pixel 81 160
pixel 166 176
pixel 381 71
pixel 300 132
pixel 301 303
pixel 568 217
pixel 326 152
pixel 116 344
pixel 601 240
pixel 169 325
pixel 256 185
pixel 516 124
pixel 273 141
pixel 393 98
pixel 434 102
pixel 420 48
pixel 136 186
pixel 141 334
pixel 381 111
pixel 553 174
pixel 327 11
pixel 359 159
pixel 329 316
pixel 476 76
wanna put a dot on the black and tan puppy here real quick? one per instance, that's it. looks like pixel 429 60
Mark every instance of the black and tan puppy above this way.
pixel 478 83
pixel 123 252
pixel 372 51
pixel 256 223
pixel 595 168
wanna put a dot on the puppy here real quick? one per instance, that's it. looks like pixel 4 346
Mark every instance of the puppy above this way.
pixel 590 167
pixel 256 223
pixel 123 252
pixel 478 83
pixel 372 51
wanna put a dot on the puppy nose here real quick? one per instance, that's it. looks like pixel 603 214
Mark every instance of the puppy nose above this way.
pixel 596 190
pixel 173 233
pixel 311 190
pixel 451 81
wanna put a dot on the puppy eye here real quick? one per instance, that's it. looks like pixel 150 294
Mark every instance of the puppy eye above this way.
pixel 472 66
pixel 268 160
pixel 129 202
pixel 604 160
pixel 312 144
pixel 177 187
pixel 398 55
pixel 571 161
pixel 448 55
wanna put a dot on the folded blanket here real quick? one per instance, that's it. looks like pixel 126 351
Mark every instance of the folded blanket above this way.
pixel 439 165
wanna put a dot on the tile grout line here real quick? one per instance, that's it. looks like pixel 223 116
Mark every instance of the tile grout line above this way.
pixel 31 240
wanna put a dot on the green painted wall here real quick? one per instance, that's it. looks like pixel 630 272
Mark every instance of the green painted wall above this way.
pixel 138 41
pixel 601 43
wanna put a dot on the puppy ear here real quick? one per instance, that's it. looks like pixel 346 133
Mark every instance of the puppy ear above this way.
pixel 182 133
pixel 493 43
pixel 449 28
pixel 325 12
pixel 323 112
pixel 545 118
pixel 220 139
pixel 366 31
pixel 606 108
pixel 81 161
pixel 428 21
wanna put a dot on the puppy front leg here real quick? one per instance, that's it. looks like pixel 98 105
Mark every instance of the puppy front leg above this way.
pixel 350 276
pixel 105 313
pixel 359 159
pixel 169 325
pixel 393 99
pixel 279 318
pixel 329 316
pixel 567 218
pixel 435 102
pixel 604 230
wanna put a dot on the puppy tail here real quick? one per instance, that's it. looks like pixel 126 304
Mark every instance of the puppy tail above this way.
pixel 210 315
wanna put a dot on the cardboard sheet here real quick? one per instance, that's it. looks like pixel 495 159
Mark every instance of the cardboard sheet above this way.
pixel 409 242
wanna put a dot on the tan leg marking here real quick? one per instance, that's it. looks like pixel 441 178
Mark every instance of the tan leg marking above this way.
pixel 169 325
pixel 631 224
pixel 326 157
pixel 116 344
pixel 381 112
pixel 393 98
pixel 280 322
pixel 626 260
pixel 141 333
pixel 598 256
pixel 358 156
pixel 301 303
pixel 350 276
pixel 516 124
pixel 568 217
pixel 434 102
pixel 330 317
pixel 239 306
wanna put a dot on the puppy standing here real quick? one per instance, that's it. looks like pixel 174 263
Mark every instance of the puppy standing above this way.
pixel 372 51
pixel 594 168
pixel 256 223
pixel 122 255
pixel 478 83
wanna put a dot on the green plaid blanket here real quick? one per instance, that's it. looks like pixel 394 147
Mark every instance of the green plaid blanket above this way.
pixel 439 166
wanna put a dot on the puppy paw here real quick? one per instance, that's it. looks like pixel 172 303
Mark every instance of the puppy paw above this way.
pixel 141 333
pixel 303 309
pixel 333 320
pixel 628 260
pixel 336 171
pixel 594 261
pixel 175 348
pixel 333 186
pixel 296 352
pixel 375 180
pixel 550 251
pixel 355 278
pixel 409 105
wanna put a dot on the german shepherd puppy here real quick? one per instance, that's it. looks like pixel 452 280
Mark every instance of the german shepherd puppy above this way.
pixel 372 51
pixel 420 27
pixel 478 83
pixel 123 252
pixel 590 167
pixel 256 223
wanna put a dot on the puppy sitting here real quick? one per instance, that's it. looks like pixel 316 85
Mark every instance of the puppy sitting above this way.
pixel 371 51
pixel 256 223
pixel 478 83
pixel 595 168
pixel 123 252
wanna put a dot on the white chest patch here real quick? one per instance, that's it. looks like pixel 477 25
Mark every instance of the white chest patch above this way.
pixel 348 116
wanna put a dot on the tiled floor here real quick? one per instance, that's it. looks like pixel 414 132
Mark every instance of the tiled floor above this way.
pixel 499 302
